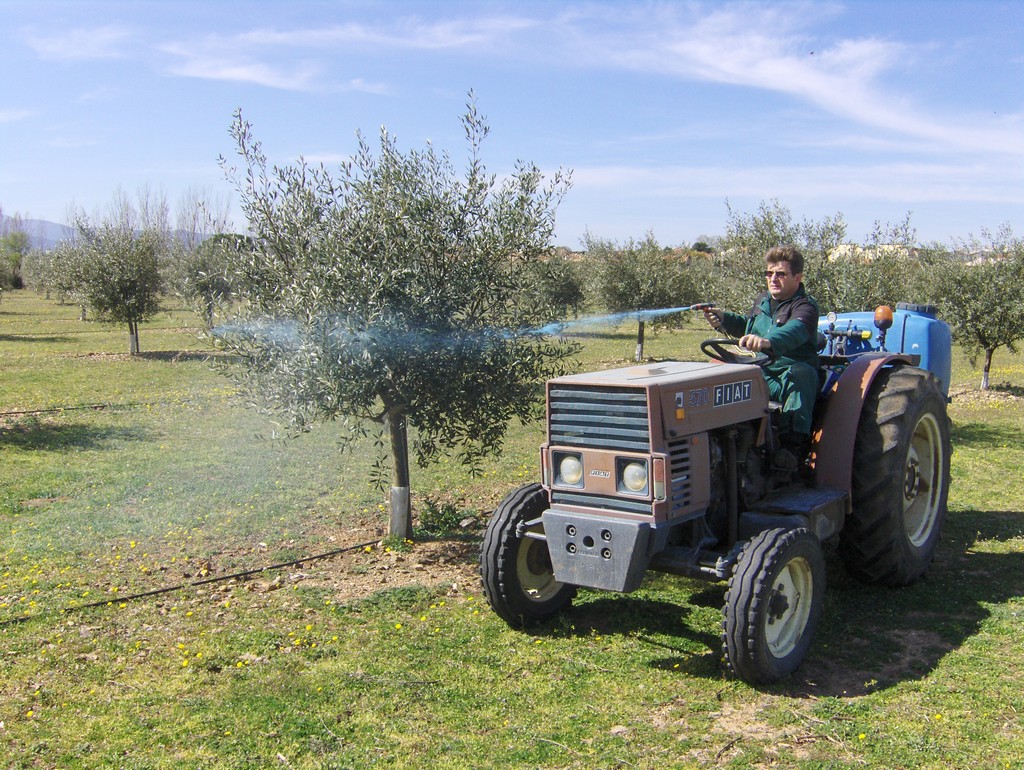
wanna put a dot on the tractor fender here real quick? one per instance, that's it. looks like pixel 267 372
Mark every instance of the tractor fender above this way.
pixel 832 442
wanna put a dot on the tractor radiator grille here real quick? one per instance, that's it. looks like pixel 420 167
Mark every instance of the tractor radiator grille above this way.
pixel 559 496
pixel 602 418
pixel 680 474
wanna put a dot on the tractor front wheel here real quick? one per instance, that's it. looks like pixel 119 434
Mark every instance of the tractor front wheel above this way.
pixel 773 604
pixel 900 479
pixel 518 579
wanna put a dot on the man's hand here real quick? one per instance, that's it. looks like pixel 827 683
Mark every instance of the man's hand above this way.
pixel 755 343
pixel 714 316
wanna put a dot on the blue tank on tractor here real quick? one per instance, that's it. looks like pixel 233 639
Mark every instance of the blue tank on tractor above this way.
pixel 916 330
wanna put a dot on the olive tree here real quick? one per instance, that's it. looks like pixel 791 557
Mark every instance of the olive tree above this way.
pixel 888 268
pixel 14 245
pixel 980 292
pixel 199 274
pixel 389 296
pixel 557 284
pixel 200 252
pixel 740 255
pixel 120 275
pixel 63 270
pixel 640 275
pixel 37 270
pixel 113 263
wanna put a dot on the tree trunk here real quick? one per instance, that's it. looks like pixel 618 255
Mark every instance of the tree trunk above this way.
pixel 133 338
pixel 988 367
pixel 640 341
pixel 401 505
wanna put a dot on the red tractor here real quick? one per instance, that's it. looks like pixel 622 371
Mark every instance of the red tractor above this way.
pixel 667 467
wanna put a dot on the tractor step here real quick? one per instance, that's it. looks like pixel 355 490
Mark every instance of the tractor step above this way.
pixel 822 510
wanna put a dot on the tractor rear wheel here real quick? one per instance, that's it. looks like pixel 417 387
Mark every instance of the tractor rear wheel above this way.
pixel 773 604
pixel 900 479
pixel 518 579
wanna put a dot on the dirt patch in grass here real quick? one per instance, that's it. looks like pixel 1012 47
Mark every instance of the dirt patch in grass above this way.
pixel 739 728
pixel 861 669
pixel 967 395
pixel 366 570
pixel 42 502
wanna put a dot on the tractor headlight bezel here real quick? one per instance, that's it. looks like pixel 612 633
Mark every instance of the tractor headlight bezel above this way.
pixel 569 471
pixel 633 476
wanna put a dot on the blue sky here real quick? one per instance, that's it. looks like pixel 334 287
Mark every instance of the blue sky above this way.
pixel 662 110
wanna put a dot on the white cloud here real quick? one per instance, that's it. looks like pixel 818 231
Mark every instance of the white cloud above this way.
pixel 773 48
pixel 779 48
pixel 87 43
pixel 244 57
pixel 364 86
pixel 406 33
pixel 13 116
pixel 69 143
pixel 211 61
pixel 901 182
pixel 212 65
pixel 99 94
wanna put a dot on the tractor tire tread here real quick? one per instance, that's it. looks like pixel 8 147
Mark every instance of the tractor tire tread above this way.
pixel 498 555
pixel 745 605
pixel 871 541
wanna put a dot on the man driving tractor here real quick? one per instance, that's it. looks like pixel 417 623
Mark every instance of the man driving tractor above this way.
pixel 782 323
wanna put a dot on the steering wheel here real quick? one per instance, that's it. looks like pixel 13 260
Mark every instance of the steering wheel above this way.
pixel 728 351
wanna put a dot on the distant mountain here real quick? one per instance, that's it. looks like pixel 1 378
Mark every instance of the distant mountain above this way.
pixel 41 233
pixel 45 235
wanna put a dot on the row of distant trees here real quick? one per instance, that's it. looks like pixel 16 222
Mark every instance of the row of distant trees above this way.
pixel 121 264
pixel 402 296
pixel 977 283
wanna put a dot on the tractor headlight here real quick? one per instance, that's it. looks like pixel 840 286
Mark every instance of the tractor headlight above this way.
pixel 570 470
pixel 633 476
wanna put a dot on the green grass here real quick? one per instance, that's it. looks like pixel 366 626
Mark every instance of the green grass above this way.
pixel 120 476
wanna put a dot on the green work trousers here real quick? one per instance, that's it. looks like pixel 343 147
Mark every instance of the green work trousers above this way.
pixel 795 385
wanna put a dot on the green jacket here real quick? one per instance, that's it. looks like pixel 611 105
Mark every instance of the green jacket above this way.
pixel 792 327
